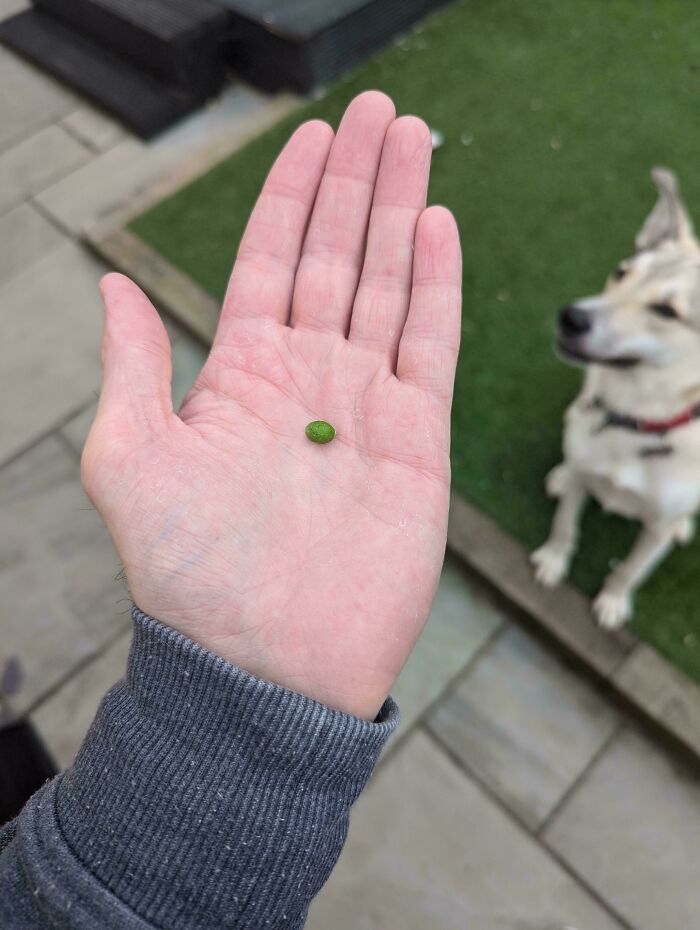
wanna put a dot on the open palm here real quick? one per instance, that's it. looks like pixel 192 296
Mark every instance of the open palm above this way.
pixel 313 566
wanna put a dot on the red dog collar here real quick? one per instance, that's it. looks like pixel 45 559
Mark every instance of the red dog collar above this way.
pixel 640 425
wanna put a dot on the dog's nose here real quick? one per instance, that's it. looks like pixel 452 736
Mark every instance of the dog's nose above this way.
pixel 574 321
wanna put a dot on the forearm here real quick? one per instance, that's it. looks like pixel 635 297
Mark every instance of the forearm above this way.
pixel 202 797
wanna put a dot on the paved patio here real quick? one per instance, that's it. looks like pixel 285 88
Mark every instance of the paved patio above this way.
pixel 515 796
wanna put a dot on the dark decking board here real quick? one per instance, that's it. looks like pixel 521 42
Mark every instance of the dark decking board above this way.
pixel 299 19
pixel 145 104
pixel 169 20
pixel 300 44
pixel 176 40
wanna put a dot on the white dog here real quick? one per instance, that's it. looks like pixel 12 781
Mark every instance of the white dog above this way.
pixel 632 436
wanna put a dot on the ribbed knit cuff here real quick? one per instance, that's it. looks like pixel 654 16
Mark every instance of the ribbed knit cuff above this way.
pixel 206 797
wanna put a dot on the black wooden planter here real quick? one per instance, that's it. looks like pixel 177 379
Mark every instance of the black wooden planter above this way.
pixel 25 765
pixel 150 62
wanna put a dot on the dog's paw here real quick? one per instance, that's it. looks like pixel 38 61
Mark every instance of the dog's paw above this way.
pixel 685 530
pixel 557 480
pixel 612 610
pixel 551 565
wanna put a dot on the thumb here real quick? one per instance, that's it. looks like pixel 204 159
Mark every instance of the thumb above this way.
pixel 136 361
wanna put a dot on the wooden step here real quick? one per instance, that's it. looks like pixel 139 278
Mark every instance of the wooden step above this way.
pixel 303 43
pixel 141 101
pixel 177 40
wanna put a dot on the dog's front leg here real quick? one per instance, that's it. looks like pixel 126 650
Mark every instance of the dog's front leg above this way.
pixel 552 559
pixel 613 606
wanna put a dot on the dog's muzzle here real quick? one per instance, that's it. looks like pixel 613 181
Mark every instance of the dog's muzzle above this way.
pixel 574 321
pixel 574 324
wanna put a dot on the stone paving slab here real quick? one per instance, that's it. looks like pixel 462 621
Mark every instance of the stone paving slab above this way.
pixel 463 618
pixel 93 128
pixel 124 171
pixel 26 238
pixel 428 850
pixel 37 161
pixel 668 695
pixel 106 180
pixel 50 352
pixel 564 611
pixel 189 356
pixel 10 7
pixel 632 829
pixel 64 719
pixel 524 724
pixel 30 99
pixel 57 571
pixel 76 430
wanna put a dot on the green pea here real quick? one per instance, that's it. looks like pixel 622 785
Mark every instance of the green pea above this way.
pixel 320 431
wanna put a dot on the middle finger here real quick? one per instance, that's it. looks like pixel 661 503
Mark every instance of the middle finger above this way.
pixel 333 250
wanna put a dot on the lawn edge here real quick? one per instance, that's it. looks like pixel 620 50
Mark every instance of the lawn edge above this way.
pixel 639 676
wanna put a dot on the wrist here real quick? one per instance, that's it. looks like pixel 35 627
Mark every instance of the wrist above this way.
pixel 300 670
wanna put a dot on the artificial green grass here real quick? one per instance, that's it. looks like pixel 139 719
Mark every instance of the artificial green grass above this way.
pixel 553 112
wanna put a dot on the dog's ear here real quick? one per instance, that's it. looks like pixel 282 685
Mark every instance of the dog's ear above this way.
pixel 669 220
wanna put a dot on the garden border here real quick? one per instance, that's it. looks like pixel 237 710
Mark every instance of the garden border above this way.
pixel 638 675
pixel 632 670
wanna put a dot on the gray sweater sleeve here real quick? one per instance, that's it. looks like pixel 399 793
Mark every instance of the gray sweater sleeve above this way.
pixel 202 797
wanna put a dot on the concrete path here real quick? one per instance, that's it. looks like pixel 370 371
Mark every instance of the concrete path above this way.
pixel 515 797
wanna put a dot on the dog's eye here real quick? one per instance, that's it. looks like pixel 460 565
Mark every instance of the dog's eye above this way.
pixel 619 273
pixel 666 310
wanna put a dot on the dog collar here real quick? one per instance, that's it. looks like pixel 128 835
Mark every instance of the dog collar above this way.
pixel 640 425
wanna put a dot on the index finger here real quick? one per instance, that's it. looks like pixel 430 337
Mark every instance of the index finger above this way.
pixel 262 280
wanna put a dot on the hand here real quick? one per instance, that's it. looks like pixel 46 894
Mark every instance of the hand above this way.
pixel 313 566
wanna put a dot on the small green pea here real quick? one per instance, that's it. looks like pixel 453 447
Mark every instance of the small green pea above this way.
pixel 320 431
